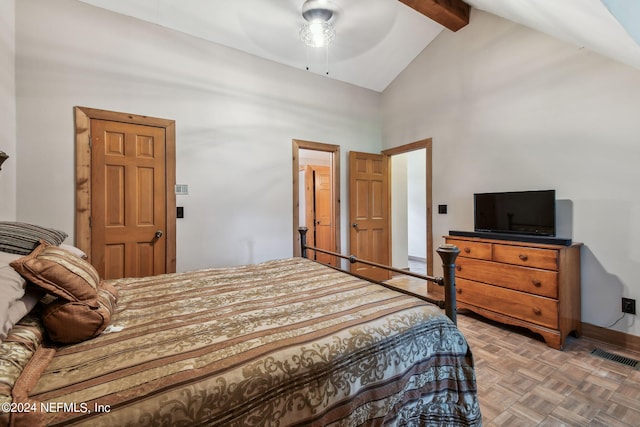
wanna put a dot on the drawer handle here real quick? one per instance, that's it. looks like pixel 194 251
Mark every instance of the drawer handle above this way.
pixel 523 257
pixel 537 311
pixel 537 283
pixel 459 290
pixel 459 267
pixel 467 250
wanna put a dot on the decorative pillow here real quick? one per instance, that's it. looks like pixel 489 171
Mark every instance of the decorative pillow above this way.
pixel 70 322
pixel 21 238
pixel 59 272
pixel 84 304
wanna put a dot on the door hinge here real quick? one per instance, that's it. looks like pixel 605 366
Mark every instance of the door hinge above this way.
pixel 89 222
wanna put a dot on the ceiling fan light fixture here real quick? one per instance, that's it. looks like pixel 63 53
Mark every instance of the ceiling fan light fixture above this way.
pixel 318 30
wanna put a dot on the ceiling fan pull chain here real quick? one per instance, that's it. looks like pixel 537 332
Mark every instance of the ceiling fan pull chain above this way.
pixel 327 58
pixel 306 52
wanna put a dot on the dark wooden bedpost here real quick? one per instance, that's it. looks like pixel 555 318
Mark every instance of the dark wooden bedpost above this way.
pixel 449 253
pixel 303 241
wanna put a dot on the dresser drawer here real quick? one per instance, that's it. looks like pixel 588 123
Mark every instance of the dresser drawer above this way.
pixel 539 310
pixel 469 249
pixel 525 279
pixel 530 257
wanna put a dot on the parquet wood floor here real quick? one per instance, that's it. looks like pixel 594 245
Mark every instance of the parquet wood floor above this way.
pixel 522 382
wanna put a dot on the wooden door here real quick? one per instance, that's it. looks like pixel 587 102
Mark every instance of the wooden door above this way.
pixel 323 212
pixel 128 206
pixel 319 211
pixel 369 212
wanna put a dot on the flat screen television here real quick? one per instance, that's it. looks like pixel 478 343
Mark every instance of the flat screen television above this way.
pixel 516 212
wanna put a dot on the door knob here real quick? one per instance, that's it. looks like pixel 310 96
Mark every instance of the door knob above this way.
pixel 156 236
pixel 354 225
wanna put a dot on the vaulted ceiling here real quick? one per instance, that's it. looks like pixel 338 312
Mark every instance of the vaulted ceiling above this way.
pixel 377 39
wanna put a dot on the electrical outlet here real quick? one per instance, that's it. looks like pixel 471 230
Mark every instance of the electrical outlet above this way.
pixel 628 305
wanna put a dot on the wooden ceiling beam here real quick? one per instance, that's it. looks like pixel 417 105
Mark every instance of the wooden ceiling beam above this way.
pixel 453 14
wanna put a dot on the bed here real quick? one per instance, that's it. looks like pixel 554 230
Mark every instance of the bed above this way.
pixel 281 343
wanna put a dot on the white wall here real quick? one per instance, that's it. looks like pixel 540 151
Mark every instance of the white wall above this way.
pixel 399 211
pixel 7 110
pixel 509 108
pixel 417 203
pixel 236 116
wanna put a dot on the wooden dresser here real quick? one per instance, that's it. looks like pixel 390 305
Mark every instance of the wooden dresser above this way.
pixel 535 286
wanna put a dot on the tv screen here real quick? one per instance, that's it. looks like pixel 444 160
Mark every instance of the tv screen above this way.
pixel 516 212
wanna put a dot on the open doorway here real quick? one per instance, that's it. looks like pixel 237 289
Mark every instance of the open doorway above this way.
pixel 409 211
pixel 412 162
pixel 316 184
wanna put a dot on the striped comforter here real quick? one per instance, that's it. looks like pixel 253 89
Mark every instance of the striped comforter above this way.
pixel 286 342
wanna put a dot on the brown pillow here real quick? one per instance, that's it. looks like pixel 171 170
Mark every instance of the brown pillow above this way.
pixel 84 303
pixel 70 322
pixel 59 272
